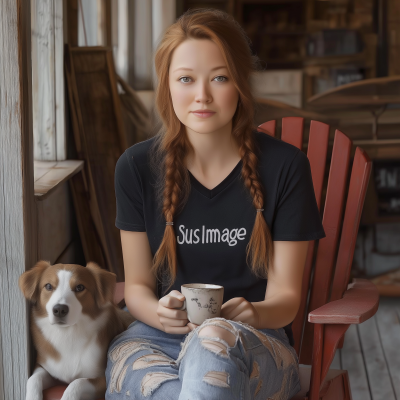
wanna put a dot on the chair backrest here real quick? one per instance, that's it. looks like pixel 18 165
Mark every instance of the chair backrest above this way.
pixel 320 277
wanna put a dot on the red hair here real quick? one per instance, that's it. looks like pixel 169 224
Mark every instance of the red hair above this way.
pixel 171 144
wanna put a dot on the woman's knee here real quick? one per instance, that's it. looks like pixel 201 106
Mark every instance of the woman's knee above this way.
pixel 217 335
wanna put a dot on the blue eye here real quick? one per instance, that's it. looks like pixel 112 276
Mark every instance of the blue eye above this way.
pixel 220 76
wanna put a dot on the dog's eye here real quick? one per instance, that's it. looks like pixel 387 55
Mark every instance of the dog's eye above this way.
pixel 79 288
pixel 48 286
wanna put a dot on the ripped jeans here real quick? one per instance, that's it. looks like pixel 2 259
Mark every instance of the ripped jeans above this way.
pixel 146 363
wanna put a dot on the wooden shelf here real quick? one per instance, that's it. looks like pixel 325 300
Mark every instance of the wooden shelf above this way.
pixel 49 174
pixel 332 60
pixel 285 33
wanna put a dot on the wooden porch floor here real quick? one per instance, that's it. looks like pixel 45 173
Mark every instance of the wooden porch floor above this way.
pixel 371 354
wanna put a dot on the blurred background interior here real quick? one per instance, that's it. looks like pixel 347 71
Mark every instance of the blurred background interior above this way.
pixel 334 61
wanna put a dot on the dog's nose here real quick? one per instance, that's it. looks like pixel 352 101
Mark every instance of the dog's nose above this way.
pixel 60 310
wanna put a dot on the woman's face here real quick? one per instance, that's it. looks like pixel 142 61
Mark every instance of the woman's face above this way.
pixel 199 80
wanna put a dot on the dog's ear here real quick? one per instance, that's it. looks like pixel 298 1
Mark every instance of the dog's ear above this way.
pixel 105 283
pixel 28 282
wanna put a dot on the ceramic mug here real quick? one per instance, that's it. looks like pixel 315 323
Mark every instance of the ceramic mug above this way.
pixel 202 301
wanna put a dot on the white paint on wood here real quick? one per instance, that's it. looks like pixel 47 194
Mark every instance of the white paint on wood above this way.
pixel 48 80
pixel 43 78
pixel 14 350
pixel 388 324
pixel 120 38
pixel 163 15
pixel 352 361
pixel 377 369
pixel 61 141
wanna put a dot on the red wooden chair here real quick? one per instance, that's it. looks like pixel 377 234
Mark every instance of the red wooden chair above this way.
pixel 318 337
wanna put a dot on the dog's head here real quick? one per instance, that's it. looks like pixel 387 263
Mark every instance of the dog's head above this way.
pixel 66 292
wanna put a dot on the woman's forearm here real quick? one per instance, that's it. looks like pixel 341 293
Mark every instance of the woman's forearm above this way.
pixel 277 311
pixel 142 303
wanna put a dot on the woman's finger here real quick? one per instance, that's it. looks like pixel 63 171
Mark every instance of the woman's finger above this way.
pixel 192 326
pixel 173 321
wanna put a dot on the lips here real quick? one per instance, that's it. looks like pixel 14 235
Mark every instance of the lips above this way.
pixel 203 114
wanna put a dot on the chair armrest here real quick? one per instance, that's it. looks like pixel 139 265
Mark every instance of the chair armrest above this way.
pixel 119 293
pixel 359 303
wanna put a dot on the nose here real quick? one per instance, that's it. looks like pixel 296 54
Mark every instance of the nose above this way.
pixel 60 310
pixel 203 94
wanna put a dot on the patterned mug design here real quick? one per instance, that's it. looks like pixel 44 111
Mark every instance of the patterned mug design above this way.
pixel 211 305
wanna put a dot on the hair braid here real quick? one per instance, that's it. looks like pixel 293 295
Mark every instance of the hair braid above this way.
pixel 259 249
pixel 176 178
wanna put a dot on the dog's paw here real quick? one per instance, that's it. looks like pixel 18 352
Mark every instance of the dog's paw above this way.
pixel 34 388
pixel 34 396
pixel 79 389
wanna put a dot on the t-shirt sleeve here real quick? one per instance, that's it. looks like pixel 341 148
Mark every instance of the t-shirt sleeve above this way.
pixel 129 196
pixel 297 216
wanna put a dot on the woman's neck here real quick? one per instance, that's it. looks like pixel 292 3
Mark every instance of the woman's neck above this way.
pixel 214 151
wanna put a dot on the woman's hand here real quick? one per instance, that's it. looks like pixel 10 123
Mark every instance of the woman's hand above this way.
pixel 172 319
pixel 239 309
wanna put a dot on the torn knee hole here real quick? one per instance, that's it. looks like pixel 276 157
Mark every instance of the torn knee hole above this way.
pixel 217 378
pixel 215 346
pixel 217 331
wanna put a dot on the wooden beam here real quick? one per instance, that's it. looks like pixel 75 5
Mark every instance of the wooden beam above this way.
pixel 17 216
pixel 72 22
pixel 48 80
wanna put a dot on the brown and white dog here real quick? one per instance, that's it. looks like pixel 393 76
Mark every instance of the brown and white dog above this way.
pixel 73 320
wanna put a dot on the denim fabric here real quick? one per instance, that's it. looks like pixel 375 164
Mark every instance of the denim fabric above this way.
pixel 146 363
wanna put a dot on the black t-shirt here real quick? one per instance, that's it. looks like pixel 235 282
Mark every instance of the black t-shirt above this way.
pixel 214 227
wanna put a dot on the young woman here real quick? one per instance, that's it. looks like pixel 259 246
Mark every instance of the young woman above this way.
pixel 210 200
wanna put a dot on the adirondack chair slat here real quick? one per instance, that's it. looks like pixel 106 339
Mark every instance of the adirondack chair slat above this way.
pixel 316 153
pixel 292 131
pixel 358 186
pixel 327 246
pixel 268 127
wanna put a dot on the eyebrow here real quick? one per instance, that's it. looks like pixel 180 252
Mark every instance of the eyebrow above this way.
pixel 189 69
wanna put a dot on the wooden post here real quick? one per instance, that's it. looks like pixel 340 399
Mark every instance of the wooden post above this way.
pixel 17 215
pixel 48 80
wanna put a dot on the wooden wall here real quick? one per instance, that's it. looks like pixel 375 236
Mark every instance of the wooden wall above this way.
pixel 48 80
pixel 17 222
pixel 393 37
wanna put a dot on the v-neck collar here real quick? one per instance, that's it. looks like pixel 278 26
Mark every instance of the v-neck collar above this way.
pixel 210 193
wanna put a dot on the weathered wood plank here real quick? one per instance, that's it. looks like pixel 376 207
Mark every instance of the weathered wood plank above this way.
pixel 388 324
pixel 352 361
pixel 55 223
pixel 61 140
pixel 48 80
pixel 53 175
pixel 43 93
pixel 41 168
pixel 17 219
pixel 377 370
